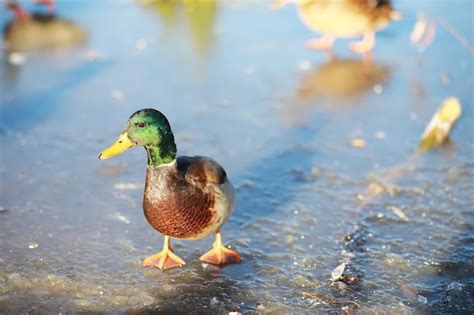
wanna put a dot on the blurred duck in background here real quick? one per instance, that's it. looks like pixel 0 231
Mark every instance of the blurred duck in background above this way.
pixel 343 19
pixel 39 30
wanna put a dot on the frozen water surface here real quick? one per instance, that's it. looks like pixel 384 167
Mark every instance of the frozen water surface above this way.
pixel 237 84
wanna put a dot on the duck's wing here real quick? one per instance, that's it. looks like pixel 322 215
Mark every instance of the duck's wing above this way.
pixel 200 171
pixel 371 4
pixel 380 12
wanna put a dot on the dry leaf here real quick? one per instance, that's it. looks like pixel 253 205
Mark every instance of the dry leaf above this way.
pixel 33 245
pixel 423 32
pixel 441 124
pixel 358 143
pixel 399 212
pixel 337 272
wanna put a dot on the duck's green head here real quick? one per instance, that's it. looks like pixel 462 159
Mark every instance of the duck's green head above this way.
pixel 148 128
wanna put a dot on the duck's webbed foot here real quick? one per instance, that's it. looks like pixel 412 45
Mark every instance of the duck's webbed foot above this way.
pixel 220 255
pixel 365 45
pixel 323 43
pixel 165 259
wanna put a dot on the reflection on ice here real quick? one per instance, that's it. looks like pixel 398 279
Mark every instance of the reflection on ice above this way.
pixel 340 81
pixel 199 17
pixel 334 84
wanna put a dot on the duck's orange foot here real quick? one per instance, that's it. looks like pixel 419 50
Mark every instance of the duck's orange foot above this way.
pixel 365 45
pixel 323 43
pixel 165 259
pixel 220 255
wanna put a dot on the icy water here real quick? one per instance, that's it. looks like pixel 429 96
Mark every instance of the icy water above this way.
pixel 237 84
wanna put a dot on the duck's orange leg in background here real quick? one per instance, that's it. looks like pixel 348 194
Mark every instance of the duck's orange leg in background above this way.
pixel 219 254
pixel 165 259
pixel 365 45
pixel 324 43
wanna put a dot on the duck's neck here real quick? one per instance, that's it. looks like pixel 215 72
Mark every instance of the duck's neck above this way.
pixel 160 154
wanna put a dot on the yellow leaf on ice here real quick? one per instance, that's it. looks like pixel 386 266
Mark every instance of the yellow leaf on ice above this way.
pixel 441 124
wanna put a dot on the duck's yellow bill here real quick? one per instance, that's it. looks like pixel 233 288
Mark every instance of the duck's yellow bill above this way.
pixel 123 143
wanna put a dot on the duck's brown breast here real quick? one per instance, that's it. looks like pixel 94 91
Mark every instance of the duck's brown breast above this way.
pixel 173 206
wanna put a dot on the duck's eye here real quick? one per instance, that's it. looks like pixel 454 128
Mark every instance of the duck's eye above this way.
pixel 141 125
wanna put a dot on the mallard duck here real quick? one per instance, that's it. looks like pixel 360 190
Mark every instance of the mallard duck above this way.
pixel 185 197
pixel 39 30
pixel 344 19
